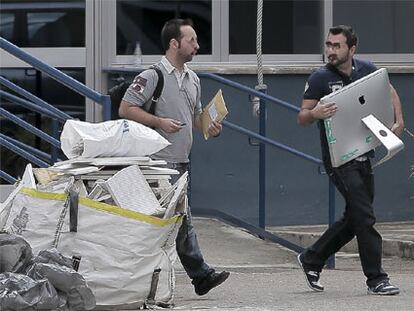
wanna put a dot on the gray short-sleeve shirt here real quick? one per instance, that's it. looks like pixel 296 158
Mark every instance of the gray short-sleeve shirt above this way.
pixel 179 103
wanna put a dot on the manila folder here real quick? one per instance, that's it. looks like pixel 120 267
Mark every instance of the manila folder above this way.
pixel 215 110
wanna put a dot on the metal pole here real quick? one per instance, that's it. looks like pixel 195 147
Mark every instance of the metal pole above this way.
pixel 262 164
pixel 55 134
pixel 106 103
pixel 38 116
pixel 331 260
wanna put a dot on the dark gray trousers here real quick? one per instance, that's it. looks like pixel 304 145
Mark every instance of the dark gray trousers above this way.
pixel 187 245
pixel 355 181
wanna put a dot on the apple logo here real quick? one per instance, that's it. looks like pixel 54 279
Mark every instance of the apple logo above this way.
pixel 383 133
pixel 361 100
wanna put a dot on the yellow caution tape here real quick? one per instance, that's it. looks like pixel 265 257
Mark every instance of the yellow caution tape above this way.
pixel 44 195
pixel 103 207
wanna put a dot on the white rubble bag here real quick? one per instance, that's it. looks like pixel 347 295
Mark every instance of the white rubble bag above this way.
pixel 115 138
pixel 119 249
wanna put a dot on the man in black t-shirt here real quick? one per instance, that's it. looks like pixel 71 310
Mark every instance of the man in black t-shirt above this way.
pixel 354 180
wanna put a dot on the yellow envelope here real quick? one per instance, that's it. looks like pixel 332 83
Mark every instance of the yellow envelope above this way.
pixel 215 110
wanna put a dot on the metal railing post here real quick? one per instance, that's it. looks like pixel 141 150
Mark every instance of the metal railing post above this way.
pixel 262 162
pixel 55 134
pixel 106 104
pixel 331 260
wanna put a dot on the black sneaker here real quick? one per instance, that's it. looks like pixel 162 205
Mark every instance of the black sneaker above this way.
pixel 214 279
pixel 311 277
pixel 383 288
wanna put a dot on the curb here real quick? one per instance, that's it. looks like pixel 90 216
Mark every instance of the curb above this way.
pixel 390 247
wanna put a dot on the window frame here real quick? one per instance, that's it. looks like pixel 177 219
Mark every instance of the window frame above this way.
pixel 220 44
pixel 64 57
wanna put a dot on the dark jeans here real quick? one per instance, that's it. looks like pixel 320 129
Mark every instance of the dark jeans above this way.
pixel 187 245
pixel 355 181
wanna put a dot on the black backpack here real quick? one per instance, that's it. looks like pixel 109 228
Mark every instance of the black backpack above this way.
pixel 118 91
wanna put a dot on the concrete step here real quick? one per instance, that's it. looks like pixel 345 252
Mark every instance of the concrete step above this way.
pixel 398 237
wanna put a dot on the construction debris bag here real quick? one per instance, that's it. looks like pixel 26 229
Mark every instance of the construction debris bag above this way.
pixel 121 252
pixel 116 138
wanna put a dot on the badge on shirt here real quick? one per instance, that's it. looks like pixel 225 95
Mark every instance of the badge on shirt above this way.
pixel 139 84
pixel 335 86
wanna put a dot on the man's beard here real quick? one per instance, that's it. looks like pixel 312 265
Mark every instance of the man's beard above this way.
pixel 186 57
pixel 337 62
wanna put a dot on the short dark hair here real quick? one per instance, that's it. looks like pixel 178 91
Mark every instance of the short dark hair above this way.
pixel 171 30
pixel 348 32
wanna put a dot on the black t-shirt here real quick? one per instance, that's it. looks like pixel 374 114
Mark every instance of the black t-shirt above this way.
pixel 328 79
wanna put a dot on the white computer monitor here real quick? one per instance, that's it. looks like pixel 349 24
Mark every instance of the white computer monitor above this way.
pixel 348 137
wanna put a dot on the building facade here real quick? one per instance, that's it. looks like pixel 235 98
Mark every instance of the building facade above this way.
pixel 94 40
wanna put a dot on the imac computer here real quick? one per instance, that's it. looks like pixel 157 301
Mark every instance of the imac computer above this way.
pixel 347 134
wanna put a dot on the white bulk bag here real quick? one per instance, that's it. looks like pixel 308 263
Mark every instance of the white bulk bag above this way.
pixel 116 138
pixel 119 248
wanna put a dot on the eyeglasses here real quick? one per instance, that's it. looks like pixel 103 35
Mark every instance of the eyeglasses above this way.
pixel 334 46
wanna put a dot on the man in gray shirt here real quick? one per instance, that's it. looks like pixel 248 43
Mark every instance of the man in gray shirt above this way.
pixel 177 111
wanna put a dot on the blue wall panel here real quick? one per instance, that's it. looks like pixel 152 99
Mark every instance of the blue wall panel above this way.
pixel 225 169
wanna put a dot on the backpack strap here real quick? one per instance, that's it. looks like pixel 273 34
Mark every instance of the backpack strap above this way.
pixel 158 89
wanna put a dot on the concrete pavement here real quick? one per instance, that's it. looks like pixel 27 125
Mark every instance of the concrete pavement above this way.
pixel 265 276
pixel 398 237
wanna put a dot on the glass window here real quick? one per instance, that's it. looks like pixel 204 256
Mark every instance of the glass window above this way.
pixel 43 23
pixel 289 27
pixel 142 21
pixel 383 26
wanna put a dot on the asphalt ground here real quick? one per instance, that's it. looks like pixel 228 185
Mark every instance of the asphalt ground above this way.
pixel 265 276
pixel 397 237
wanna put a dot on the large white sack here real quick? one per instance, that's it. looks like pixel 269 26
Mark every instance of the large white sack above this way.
pixel 119 248
pixel 115 138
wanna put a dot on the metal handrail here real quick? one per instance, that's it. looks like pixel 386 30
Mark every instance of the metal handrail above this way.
pixel 30 105
pixel 37 153
pixel 250 90
pixel 27 126
pixel 59 76
pixel 271 142
pixel 60 114
pixel 36 104
pixel 7 177
pixel 22 152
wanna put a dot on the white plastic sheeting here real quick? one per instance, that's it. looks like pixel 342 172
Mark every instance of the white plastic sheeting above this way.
pixel 116 138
